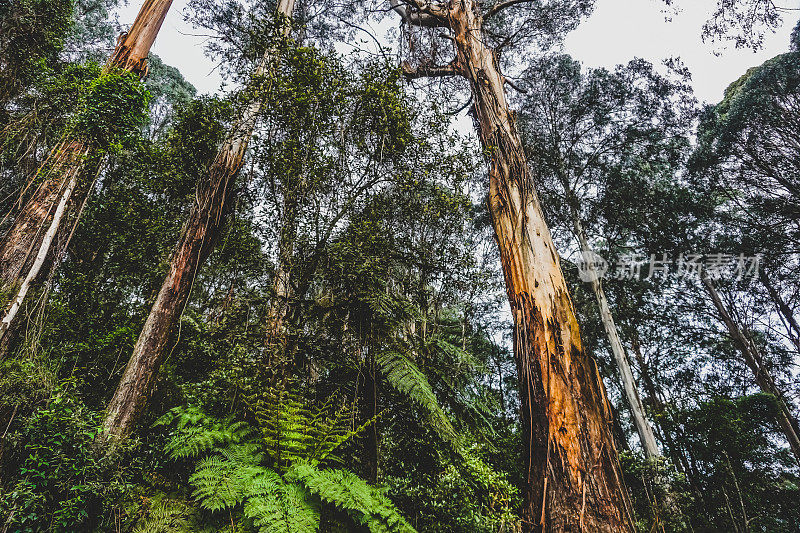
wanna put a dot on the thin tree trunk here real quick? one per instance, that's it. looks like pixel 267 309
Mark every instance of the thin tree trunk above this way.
pixel 276 338
pixel 369 398
pixel 572 476
pixel 792 328
pixel 195 244
pixel 754 361
pixel 657 406
pixel 19 265
pixel 643 428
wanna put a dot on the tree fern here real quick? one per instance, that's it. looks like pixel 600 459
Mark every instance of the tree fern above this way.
pixel 365 504
pixel 198 433
pixel 403 375
pixel 233 475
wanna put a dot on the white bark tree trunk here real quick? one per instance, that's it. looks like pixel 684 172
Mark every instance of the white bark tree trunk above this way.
pixel 643 428
pixel 41 256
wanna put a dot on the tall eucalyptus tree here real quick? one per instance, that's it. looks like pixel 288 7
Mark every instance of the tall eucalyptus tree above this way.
pixel 572 476
pixel 197 240
pixel 27 244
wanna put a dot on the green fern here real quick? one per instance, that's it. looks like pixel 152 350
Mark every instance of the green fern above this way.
pixel 198 433
pixel 231 475
pixel 365 504
pixel 225 480
pixel 166 516
pixel 291 431
pixel 280 507
pixel 403 375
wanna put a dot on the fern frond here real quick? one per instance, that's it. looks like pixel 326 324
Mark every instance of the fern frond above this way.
pixel 405 377
pixel 279 507
pixel 225 480
pixel 365 504
pixel 166 516
pixel 199 433
pixel 291 431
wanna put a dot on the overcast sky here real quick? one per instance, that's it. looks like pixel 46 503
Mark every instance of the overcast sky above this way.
pixel 618 31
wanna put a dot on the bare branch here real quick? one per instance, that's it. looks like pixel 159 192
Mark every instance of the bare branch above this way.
pixel 419 13
pixel 498 7
pixel 460 109
pixel 425 71
pixel 514 85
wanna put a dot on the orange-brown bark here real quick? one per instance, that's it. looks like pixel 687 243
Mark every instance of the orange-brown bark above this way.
pixel 18 246
pixel 572 475
pixel 134 46
pixel 195 244
pixel 24 240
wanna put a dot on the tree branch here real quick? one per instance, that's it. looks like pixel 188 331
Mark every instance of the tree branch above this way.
pixel 425 71
pixel 419 13
pixel 514 85
pixel 498 7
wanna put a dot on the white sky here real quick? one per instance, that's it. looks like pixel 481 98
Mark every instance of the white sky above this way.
pixel 618 31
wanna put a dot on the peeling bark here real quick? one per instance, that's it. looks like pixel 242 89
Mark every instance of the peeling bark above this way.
pixel 27 240
pixel 755 362
pixel 572 476
pixel 193 248
pixel 134 46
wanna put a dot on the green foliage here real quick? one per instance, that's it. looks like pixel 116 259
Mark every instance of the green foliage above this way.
pixel 660 493
pixel 166 515
pixel 232 473
pixel 403 375
pixel 291 431
pixel 56 474
pixel 32 33
pixel 195 433
pixel 224 480
pixel 278 506
pixel 114 109
pixel 345 490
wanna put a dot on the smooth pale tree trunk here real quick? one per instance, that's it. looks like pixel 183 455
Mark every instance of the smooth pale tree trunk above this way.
pixel 643 427
pixel 27 244
pixel 194 245
pixel 792 328
pixel 752 358
pixel 38 262
pixel 573 480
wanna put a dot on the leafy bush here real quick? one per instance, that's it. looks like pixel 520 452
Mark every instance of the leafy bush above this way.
pixel 57 480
